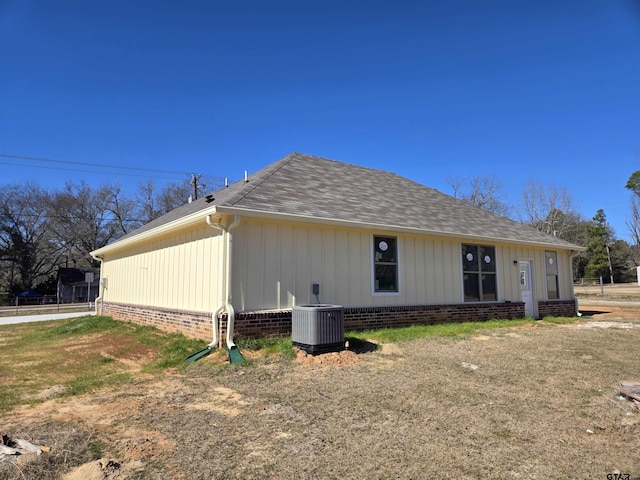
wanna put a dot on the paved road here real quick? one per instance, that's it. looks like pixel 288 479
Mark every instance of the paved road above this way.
pixel 611 303
pixel 42 318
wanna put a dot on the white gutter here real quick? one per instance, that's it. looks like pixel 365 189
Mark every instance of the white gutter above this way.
pixel 386 228
pixel 196 217
pixel 225 283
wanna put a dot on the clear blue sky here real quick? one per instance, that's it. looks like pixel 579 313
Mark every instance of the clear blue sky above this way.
pixel 544 90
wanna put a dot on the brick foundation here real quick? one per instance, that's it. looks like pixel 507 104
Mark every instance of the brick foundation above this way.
pixel 190 323
pixel 385 317
pixel 556 308
pixel 277 323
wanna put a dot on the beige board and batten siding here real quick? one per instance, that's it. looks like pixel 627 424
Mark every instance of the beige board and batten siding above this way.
pixel 509 278
pixel 275 264
pixel 178 270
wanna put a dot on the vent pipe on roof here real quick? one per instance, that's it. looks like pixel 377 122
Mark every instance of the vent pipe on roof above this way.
pixel 226 182
pixel 246 177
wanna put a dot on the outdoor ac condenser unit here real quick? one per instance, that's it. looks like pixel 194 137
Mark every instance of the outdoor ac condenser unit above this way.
pixel 318 328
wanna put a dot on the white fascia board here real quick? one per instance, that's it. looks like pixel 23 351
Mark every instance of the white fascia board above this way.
pixel 196 217
pixel 386 228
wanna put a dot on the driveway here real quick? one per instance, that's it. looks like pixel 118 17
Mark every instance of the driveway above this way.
pixel 42 318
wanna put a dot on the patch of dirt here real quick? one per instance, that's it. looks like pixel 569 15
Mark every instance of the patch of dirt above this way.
pixel 481 338
pixel 391 349
pixel 105 469
pixel 611 324
pixel 121 349
pixel 224 401
pixel 51 392
pixel 334 359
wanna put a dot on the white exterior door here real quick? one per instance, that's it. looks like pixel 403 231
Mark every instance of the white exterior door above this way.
pixel 526 288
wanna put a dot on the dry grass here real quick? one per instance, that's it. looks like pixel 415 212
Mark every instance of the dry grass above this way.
pixel 69 447
pixel 626 292
pixel 540 404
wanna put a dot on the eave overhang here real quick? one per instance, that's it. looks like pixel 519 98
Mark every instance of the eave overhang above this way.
pixel 201 215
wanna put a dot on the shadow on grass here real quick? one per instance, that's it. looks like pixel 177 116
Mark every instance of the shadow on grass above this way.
pixel 591 313
pixel 359 346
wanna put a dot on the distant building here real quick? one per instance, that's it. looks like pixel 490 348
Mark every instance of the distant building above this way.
pixel 73 286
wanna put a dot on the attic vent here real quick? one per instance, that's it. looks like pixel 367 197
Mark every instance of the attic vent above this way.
pixel 209 198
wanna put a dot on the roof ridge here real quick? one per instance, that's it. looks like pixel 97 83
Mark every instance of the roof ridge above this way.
pixel 253 186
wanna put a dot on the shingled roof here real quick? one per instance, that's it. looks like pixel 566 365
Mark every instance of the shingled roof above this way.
pixel 310 188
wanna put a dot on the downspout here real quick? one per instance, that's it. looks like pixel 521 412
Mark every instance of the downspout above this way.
pixel 231 314
pixel 225 290
pixel 220 309
pixel 100 296
pixel 572 255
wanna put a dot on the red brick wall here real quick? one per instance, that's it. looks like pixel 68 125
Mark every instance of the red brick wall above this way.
pixel 191 324
pixel 380 317
pixel 277 323
pixel 556 308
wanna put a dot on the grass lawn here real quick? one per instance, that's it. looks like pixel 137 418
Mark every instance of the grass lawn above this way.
pixel 491 400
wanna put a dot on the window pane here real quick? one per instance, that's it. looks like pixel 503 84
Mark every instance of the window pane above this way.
pixel 488 259
pixel 471 287
pixel 552 287
pixel 551 262
pixel 385 249
pixel 489 290
pixel 469 258
pixel 386 278
pixel 479 273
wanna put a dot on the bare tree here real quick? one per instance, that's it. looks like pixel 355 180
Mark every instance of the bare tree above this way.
pixel 28 253
pixel 154 202
pixel 123 209
pixel 633 226
pixel 83 220
pixel 633 221
pixel 484 192
pixel 550 210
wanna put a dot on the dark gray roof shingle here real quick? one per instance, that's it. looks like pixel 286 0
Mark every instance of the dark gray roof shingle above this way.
pixel 326 189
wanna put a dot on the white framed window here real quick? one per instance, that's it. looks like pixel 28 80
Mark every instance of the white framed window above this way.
pixel 385 265
pixel 551 267
pixel 479 273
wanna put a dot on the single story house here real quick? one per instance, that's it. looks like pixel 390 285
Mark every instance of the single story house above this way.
pixel 309 230
pixel 73 287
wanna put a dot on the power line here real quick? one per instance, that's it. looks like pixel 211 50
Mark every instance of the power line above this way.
pixel 89 164
pixel 86 171
pixel 118 168
pixel 108 217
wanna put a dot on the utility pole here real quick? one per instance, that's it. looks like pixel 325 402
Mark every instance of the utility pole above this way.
pixel 194 182
pixel 610 267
